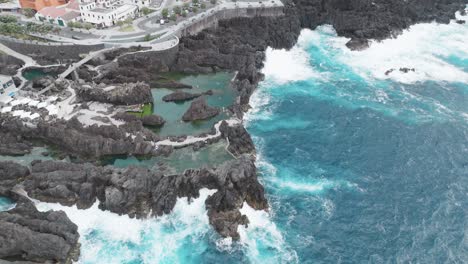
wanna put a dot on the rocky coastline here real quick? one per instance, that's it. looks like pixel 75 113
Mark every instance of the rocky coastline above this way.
pixel 235 45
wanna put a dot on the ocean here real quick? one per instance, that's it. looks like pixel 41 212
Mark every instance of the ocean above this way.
pixel 361 163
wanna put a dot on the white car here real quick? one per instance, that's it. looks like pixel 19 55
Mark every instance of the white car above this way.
pixel 162 22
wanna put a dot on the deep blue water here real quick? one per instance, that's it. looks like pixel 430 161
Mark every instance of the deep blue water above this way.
pixel 360 168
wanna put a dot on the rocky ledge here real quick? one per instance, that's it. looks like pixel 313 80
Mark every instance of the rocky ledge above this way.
pixel 117 94
pixel 37 237
pixel 139 192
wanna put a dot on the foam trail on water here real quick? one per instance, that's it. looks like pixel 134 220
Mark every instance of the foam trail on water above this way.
pixel 106 237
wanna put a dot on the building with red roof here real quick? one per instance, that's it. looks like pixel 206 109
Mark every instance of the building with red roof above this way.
pixel 60 15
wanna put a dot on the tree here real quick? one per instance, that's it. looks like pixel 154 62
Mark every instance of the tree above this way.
pixel 145 10
pixel 120 23
pixel 203 6
pixel 128 21
pixel 177 10
pixel 195 2
pixel 147 37
pixel 88 26
pixel 213 2
pixel 165 12
pixel 173 17
pixel 186 5
pixel 195 9
pixel 8 19
pixel 28 12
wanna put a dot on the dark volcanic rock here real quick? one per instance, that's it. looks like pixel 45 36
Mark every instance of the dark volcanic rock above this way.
pixel 180 96
pixel 153 120
pixel 199 110
pixel 9 65
pixel 239 139
pixel 124 94
pixel 357 44
pixel 91 141
pixel 13 145
pixel 11 174
pixel 138 191
pixel 30 235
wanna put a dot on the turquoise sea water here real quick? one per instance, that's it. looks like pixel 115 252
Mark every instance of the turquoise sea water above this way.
pixel 358 166
pixel 6 204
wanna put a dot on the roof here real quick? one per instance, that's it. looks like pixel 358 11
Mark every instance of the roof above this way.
pixel 60 11
pixel 101 10
pixel 52 11
pixel 70 15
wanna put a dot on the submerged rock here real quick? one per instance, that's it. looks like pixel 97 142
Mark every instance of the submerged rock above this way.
pixel 180 96
pixel 40 237
pixel 200 110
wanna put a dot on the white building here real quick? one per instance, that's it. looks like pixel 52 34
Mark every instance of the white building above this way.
pixel 106 13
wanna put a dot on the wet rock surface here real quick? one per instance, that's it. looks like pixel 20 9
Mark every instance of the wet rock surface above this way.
pixel 200 110
pixel 38 237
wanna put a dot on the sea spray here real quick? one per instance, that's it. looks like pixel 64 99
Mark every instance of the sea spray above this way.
pixel 110 238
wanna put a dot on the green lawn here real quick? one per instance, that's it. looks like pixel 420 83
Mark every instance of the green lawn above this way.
pixel 146 110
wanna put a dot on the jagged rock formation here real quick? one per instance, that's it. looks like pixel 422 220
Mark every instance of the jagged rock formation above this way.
pixel 119 94
pixel 180 96
pixel 13 145
pixel 199 110
pixel 11 174
pixel 39 237
pixel 90 142
pixel 138 191
pixel 239 139
pixel 9 65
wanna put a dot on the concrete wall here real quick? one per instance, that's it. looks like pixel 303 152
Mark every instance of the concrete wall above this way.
pixel 45 53
pixel 212 19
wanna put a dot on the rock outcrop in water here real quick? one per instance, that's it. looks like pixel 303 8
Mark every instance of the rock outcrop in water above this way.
pixel 184 96
pixel 118 94
pixel 39 237
pixel 200 110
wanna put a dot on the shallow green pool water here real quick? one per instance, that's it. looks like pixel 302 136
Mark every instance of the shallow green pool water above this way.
pixel 223 96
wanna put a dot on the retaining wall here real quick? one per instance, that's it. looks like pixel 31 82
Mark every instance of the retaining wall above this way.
pixel 50 52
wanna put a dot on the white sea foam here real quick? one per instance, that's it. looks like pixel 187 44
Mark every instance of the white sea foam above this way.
pixel 262 239
pixel 108 238
pixel 283 66
pixel 425 47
